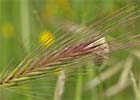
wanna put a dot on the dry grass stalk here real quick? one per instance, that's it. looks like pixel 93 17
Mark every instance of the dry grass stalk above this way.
pixel 104 76
pixel 123 82
pixel 115 89
pixel 125 73
pixel 136 53
pixel 134 84
pixel 60 85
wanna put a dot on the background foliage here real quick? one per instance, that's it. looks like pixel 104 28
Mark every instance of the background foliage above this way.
pixel 22 23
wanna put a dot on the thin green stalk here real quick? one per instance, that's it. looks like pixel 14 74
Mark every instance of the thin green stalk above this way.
pixel 78 95
pixel 90 75
pixel 25 29
pixel 25 23
pixel 100 87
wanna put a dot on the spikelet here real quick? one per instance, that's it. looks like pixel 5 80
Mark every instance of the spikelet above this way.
pixel 70 50
pixel 96 45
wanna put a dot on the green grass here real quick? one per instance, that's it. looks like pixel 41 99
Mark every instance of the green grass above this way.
pixel 23 21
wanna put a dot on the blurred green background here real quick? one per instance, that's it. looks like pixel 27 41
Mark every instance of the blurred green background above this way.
pixel 21 23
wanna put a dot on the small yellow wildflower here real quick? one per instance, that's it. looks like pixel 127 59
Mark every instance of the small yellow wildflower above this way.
pixel 7 30
pixel 46 39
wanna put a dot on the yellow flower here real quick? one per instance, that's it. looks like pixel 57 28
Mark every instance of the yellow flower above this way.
pixel 46 39
pixel 7 30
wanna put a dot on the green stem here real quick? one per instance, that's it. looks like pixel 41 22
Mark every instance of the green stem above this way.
pixel 79 86
pixel 25 24
pixel 100 88
pixel 25 30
